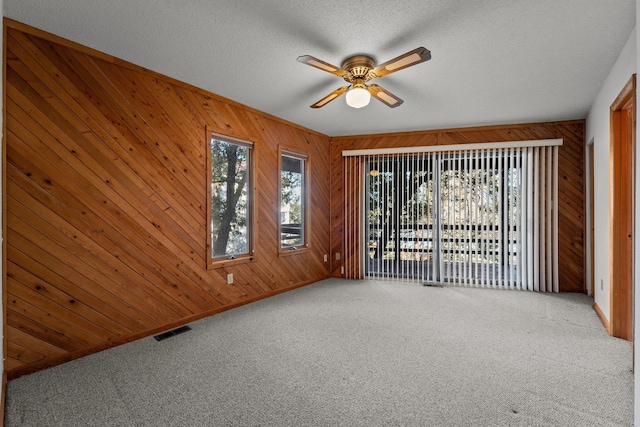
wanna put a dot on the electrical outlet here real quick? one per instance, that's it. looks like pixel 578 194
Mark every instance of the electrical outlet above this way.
pixel 341 270
pixel 229 278
pixel 337 256
pixel 326 258
pixel 601 285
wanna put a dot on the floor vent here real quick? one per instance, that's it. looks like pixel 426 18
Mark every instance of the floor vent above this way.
pixel 169 334
pixel 433 285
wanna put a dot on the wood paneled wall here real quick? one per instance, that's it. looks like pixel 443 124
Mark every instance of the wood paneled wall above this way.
pixel 106 202
pixel 571 203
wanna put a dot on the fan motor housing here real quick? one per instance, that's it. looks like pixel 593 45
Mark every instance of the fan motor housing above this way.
pixel 358 67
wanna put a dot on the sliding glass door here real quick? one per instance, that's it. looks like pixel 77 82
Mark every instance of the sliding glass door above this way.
pixel 474 217
pixel 400 217
pixel 478 195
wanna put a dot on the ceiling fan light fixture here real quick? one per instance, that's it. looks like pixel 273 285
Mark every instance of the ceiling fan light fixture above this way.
pixel 358 97
pixel 358 70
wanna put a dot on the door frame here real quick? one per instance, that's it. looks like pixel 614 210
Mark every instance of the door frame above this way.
pixel 622 178
pixel 590 246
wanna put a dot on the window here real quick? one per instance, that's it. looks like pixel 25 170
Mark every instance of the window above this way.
pixel 292 200
pixel 229 213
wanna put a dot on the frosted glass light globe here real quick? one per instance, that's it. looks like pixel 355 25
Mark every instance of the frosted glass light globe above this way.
pixel 358 97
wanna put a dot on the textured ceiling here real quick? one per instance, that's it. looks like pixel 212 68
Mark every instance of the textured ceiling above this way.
pixel 493 61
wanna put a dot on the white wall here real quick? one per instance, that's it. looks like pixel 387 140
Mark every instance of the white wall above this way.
pixel 598 129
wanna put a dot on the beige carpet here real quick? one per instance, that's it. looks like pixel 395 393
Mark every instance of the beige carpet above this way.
pixel 353 353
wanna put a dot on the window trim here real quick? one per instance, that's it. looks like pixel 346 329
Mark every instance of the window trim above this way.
pixel 292 250
pixel 220 262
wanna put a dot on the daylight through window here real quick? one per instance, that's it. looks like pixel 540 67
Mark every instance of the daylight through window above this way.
pixel 292 200
pixel 230 219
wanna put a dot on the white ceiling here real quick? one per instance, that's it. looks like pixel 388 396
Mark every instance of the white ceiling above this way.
pixel 493 61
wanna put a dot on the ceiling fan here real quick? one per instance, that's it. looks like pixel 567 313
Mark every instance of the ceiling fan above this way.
pixel 358 70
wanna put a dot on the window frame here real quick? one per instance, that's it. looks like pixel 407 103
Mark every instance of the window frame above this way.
pixel 219 262
pixel 304 247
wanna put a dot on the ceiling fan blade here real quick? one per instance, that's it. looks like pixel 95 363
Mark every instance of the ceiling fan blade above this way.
pixel 384 96
pixel 324 66
pixel 333 95
pixel 413 57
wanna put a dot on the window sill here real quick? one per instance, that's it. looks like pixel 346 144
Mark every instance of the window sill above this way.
pixel 221 263
pixel 290 251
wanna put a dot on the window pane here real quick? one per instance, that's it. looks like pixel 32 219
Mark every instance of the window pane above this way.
pixel 229 199
pixel 292 202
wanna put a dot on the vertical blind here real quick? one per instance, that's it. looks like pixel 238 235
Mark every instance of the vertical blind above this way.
pixel 482 215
